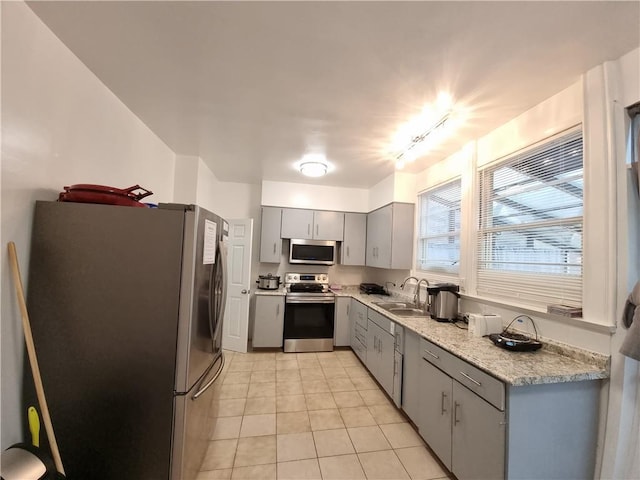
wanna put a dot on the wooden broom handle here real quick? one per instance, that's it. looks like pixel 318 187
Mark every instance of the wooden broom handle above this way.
pixel 31 349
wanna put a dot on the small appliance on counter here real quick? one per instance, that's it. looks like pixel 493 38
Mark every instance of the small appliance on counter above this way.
pixel 481 325
pixel 373 289
pixel 268 282
pixel 443 302
pixel 516 342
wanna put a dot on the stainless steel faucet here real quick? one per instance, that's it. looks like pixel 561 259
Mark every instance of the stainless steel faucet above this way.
pixel 418 293
pixel 415 295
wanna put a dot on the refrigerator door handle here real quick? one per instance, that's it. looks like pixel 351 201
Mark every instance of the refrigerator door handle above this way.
pixel 223 291
pixel 201 390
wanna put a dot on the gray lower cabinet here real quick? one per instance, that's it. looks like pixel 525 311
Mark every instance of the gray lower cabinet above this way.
pixel 411 375
pixel 481 428
pixel 359 325
pixel 381 360
pixel 478 437
pixel 268 326
pixel 463 430
pixel 341 324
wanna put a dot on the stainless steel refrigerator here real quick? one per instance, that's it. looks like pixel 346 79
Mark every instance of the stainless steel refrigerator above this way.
pixel 126 306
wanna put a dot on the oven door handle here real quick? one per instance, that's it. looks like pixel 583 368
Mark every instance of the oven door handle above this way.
pixel 310 300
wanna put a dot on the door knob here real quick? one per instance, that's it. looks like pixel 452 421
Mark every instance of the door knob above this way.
pixel 244 291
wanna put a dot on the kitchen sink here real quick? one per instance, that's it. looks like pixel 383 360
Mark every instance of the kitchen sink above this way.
pixel 408 312
pixel 402 309
pixel 390 305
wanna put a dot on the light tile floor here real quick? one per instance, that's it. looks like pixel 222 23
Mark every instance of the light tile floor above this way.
pixel 309 416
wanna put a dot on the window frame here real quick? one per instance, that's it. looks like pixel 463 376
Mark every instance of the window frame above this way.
pixel 423 265
pixel 536 289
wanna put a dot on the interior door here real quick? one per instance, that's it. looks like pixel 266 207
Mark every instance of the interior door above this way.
pixel 236 321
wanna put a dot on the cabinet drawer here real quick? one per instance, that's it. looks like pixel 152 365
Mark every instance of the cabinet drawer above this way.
pixel 361 334
pixel 380 320
pixel 489 388
pixel 360 350
pixel 436 356
pixel 479 382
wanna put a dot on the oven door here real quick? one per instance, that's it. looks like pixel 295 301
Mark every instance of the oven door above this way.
pixel 308 324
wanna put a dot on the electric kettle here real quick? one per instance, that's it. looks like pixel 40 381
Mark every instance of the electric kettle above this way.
pixel 443 302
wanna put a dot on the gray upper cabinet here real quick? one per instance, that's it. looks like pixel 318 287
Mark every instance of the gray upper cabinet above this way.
pixel 355 239
pixel 328 225
pixel 270 240
pixel 390 236
pixel 310 224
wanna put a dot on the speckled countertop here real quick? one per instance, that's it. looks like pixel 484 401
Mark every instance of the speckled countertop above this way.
pixel 554 363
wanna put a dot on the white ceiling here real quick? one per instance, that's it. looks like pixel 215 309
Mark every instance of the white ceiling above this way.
pixel 252 86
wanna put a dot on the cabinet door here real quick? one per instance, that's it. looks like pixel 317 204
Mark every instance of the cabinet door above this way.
pixel 386 360
pixel 342 326
pixel 379 231
pixel 297 223
pixel 401 246
pixel 268 325
pixel 355 239
pixel 411 375
pixel 328 226
pixel 478 437
pixel 435 411
pixel 270 241
pixel 372 349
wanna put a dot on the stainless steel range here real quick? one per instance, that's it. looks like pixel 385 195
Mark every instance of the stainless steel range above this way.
pixel 308 313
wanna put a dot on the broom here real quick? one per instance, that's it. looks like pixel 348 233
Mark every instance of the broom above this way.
pixel 31 349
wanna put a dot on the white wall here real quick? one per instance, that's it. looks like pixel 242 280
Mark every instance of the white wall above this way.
pixel 60 126
pixel 317 197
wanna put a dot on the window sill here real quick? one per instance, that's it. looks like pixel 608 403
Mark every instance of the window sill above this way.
pixel 539 312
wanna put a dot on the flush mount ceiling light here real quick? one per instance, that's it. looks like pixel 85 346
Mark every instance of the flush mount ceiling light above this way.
pixel 313 165
pixel 423 132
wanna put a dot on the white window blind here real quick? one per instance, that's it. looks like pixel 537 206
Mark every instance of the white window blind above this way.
pixel 530 230
pixel 439 229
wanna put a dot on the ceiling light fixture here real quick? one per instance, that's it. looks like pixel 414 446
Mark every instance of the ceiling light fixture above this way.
pixel 418 139
pixel 313 165
pixel 421 133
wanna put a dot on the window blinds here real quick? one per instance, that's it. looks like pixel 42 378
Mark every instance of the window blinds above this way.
pixel 439 228
pixel 530 224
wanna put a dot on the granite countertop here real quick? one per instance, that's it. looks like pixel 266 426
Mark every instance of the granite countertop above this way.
pixel 554 363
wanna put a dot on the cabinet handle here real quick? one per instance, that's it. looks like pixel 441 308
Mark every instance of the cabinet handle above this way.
pixel 278 309
pixel 470 379
pixel 348 308
pixel 443 410
pixel 432 354
pixel 274 248
pixel 455 413
pixel 347 250
pixel 308 229
pixel 317 230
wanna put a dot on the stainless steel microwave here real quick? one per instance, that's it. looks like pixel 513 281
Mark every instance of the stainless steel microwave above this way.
pixel 312 252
